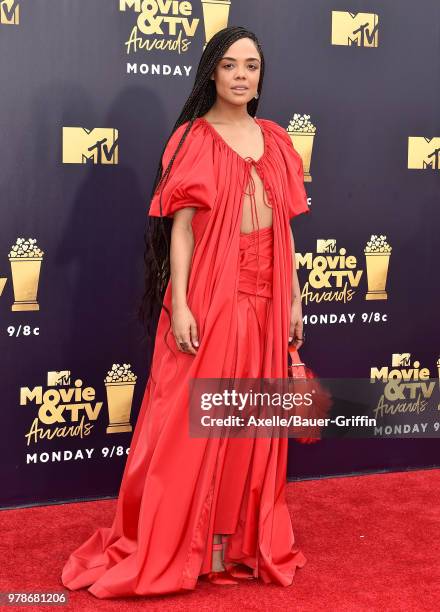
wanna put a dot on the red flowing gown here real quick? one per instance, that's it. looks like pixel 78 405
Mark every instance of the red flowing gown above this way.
pixel 177 491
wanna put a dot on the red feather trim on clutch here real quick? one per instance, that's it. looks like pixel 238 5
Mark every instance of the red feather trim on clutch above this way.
pixel 322 401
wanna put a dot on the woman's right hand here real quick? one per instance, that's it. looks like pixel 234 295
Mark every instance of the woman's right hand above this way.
pixel 184 328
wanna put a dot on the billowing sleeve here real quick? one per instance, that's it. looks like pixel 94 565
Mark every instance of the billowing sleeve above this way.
pixel 191 180
pixel 296 192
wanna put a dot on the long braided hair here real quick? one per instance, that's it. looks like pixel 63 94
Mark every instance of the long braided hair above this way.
pixel 157 235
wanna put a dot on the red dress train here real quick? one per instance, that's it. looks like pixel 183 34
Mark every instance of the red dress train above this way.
pixel 177 491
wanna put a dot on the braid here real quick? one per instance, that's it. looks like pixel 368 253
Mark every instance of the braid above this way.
pixel 157 235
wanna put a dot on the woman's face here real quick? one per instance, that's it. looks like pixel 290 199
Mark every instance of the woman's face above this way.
pixel 240 66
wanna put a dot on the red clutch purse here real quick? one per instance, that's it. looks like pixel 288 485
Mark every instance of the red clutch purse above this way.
pixel 322 401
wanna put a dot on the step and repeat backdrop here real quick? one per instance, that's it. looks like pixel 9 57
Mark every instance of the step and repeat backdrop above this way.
pixel 89 94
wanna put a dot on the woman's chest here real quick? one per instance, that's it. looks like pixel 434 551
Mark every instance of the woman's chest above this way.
pixel 257 205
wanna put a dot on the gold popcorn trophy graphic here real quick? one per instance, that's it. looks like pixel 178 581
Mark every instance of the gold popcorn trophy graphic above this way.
pixel 215 17
pixel 25 258
pixel 302 133
pixel 377 256
pixel 119 382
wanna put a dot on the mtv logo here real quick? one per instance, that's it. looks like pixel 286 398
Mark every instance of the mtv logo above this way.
pixel 95 146
pixel 423 153
pixel 326 245
pixel 9 12
pixel 355 29
pixel 136 5
pixel 57 379
pixel 398 360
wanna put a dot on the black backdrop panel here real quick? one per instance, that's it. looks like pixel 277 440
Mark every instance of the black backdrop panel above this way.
pixel 90 92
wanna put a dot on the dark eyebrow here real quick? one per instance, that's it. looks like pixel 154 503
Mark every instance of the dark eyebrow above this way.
pixel 234 59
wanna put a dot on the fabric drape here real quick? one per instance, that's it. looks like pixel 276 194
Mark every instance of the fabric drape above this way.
pixel 160 540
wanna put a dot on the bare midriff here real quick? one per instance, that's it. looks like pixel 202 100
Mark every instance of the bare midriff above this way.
pixel 258 208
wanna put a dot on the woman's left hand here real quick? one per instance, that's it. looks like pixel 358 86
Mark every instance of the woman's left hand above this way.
pixel 296 324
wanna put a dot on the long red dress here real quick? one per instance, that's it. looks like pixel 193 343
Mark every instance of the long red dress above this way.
pixel 177 491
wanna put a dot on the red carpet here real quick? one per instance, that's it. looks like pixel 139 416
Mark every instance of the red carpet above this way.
pixel 372 543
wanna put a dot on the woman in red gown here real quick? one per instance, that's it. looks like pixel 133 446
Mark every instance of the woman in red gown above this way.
pixel 214 508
